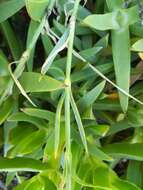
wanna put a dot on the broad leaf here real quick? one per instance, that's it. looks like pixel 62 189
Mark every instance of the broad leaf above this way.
pixel 35 82
pixel 36 8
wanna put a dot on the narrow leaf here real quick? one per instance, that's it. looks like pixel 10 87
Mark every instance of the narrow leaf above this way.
pixel 39 113
pixel 57 123
pixel 125 150
pixel 89 98
pixel 19 116
pixel 79 122
pixel 61 44
pixel 22 164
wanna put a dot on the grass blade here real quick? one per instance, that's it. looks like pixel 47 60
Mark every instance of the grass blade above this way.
pixel 125 150
pixel 57 123
pixel 79 122
pixel 89 98
pixel 61 44
pixel 121 57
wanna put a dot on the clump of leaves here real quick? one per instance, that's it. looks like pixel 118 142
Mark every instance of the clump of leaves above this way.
pixel 71 98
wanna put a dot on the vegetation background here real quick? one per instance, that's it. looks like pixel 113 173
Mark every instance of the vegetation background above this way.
pixel 71 96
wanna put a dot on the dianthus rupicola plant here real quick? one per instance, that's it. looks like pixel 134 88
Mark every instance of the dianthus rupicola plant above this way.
pixel 71 96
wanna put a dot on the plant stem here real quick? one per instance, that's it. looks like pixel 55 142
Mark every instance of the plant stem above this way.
pixel 71 40
pixel 68 154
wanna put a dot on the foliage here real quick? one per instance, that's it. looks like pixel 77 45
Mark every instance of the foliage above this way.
pixel 71 98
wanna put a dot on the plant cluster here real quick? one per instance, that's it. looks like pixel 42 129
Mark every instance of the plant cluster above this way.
pixel 71 97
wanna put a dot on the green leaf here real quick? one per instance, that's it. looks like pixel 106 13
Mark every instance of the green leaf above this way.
pixel 29 143
pixel 61 44
pixel 36 8
pixel 86 73
pixel 6 109
pixel 113 21
pixel 113 5
pixel 35 82
pixel 119 126
pixel 95 151
pixel 57 73
pixel 58 123
pixel 138 46
pixel 35 184
pixel 96 129
pixel 12 40
pixel 101 21
pixel 121 41
pixel 9 8
pixel 134 172
pixel 10 176
pixel 22 164
pixel 48 183
pixel 3 65
pixel 19 116
pixel 125 150
pixel 124 185
pixel 33 26
pixel 39 113
pixel 16 134
pixel 89 98
pixel 47 43
pixel 120 20
pixel 79 122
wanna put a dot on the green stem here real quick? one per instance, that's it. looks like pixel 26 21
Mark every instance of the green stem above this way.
pixel 57 124
pixel 71 40
pixel 68 154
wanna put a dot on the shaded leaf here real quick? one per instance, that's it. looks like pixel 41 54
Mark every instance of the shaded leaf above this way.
pixel 9 8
